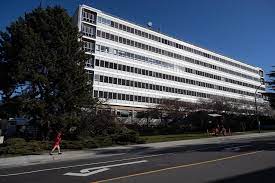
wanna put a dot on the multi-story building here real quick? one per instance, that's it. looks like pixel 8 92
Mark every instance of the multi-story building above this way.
pixel 135 67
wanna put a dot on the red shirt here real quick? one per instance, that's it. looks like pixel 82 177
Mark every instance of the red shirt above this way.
pixel 57 140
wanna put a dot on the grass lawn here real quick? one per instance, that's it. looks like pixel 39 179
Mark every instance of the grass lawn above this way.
pixel 165 138
pixel 187 136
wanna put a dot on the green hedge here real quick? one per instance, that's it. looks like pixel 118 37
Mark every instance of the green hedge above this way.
pixel 125 137
pixel 19 146
pixel 103 141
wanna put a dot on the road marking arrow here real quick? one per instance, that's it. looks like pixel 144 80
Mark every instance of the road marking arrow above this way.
pixel 95 170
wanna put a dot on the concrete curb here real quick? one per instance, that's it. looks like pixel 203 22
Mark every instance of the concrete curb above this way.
pixel 117 150
pixel 212 140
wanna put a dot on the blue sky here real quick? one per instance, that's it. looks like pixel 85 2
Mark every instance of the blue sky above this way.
pixel 241 29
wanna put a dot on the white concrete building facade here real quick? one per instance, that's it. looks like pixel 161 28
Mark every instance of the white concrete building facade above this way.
pixel 134 66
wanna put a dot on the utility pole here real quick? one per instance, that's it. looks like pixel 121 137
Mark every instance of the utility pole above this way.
pixel 256 109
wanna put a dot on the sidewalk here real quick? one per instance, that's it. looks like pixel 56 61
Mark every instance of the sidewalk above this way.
pixel 118 150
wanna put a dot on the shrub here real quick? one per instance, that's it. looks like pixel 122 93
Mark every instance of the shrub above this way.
pixel 68 144
pixel 103 141
pixel 141 141
pixel 89 143
pixel 3 150
pixel 15 142
pixel 126 136
pixel 16 146
pixel 20 146
pixel 35 147
pixel 46 145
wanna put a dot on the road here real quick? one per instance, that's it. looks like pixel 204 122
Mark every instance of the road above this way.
pixel 228 162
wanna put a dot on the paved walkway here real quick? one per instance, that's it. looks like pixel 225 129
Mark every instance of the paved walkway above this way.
pixel 110 151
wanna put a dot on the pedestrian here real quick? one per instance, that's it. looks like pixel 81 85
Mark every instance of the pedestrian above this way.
pixel 57 142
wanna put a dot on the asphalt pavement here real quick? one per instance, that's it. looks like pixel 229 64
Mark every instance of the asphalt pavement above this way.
pixel 239 160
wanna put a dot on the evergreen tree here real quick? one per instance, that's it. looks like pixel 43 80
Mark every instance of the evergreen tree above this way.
pixel 42 68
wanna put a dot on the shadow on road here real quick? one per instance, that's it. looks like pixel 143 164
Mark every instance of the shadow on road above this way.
pixel 262 176
pixel 253 145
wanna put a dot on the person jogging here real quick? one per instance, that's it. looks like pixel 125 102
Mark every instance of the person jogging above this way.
pixel 57 142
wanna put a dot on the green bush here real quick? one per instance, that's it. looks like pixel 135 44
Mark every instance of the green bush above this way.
pixel 16 146
pixel 141 141
pixel 21 147
pixel 69 144
pixel 103 141
pixel 16 142
pixel 35 147
pixel 46 145
pixel 120 136
pixel 3 150
pixel 126 136
pixel 89 143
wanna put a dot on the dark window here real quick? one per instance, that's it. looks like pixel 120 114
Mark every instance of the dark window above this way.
pixel 119 96
pixel 101 63
pixel 110 80
pixel 101 78
pixel 97 62
pixel 100 94
pixel 105 79
pixel 115 80
pixel 106 64
pixel 114 95
pixel 95 93
pixel 111 65
pixel 105 94
pixel 110 96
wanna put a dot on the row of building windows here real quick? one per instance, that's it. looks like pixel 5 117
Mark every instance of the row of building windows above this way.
pixel 135 57
pixel 167 42
pixel 167 65
pixel 137 98
pixel 137 84
pixel 88 46
pixel 125 68
pixel 127 97
pixel 88 30
pixel 88 16
pixel 167 53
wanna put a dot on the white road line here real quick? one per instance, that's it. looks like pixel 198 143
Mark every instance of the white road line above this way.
pixel 72 166
pixel 88 171
pixel 175 167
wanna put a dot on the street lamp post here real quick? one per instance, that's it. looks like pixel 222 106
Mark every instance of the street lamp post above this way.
pixel 256 109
